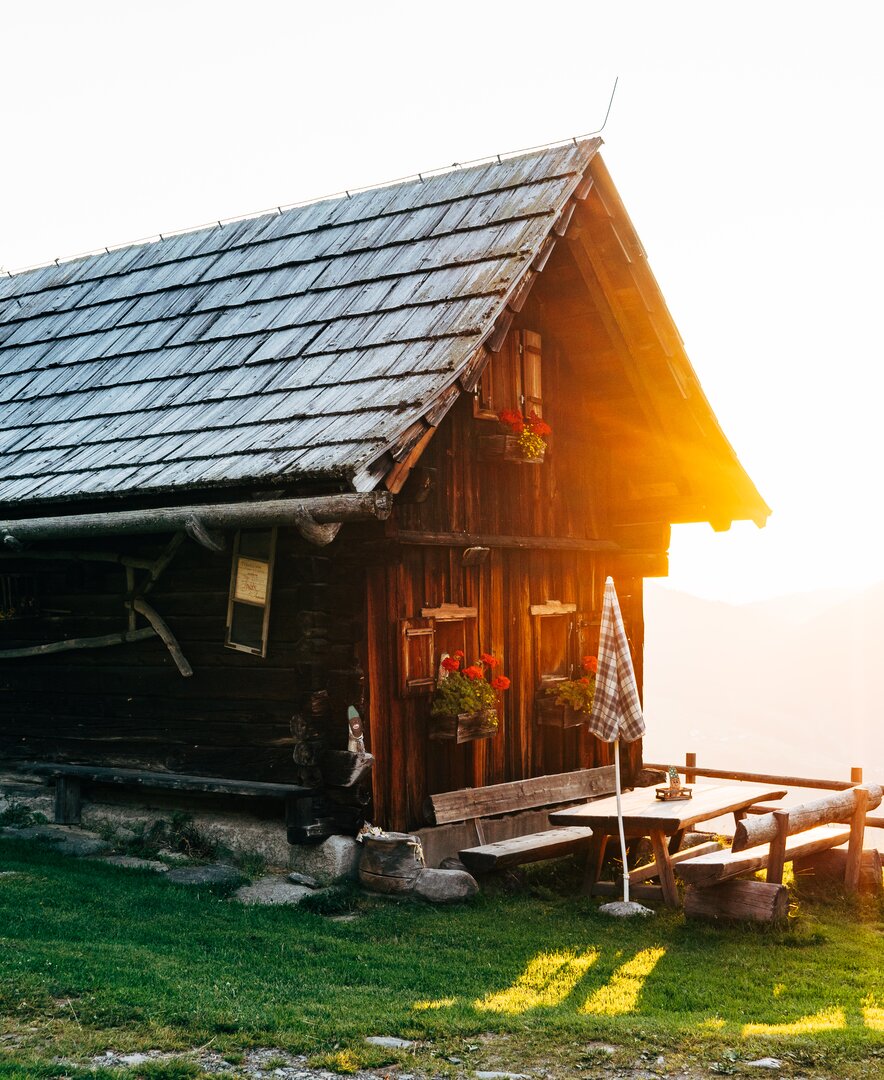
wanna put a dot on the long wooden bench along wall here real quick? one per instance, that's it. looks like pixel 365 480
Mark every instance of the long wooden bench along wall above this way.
pixel 768 842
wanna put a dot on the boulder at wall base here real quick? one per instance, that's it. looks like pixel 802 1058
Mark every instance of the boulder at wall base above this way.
pixel 445 886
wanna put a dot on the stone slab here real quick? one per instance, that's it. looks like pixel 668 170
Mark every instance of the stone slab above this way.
pixel 272 890
pixel 213 874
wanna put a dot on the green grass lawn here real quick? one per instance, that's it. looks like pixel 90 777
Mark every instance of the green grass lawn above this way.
pixel 94 957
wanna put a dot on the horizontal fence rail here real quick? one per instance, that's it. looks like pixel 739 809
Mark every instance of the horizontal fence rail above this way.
pixel 692 770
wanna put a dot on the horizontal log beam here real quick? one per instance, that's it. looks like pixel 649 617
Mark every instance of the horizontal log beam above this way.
pixel 837 807
pixel 754 901
pixel 323 509
pixel 541 543
pixel 78 643
pixel 759 778
pixel 81 556
pixel 652 870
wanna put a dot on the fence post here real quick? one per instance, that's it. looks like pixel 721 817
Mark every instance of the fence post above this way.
pixel 690 761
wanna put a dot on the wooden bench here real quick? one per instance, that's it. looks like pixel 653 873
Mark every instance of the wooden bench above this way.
pixel 477 805
pixel 770 841
pixel 70 778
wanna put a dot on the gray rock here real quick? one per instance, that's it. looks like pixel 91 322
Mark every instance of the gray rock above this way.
pixel 68 840
pixel 389 1041
pixel 445 886
pixel 303 879
pixel 271 890
pixel 172 856
pixel 766 1063
pixel 124 835
pixel 625 909
pixel 214 874
pixel 333 860
pixel 130 862
pixel 501 1076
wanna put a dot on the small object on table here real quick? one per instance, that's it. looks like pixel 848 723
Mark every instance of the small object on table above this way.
pixel 675 789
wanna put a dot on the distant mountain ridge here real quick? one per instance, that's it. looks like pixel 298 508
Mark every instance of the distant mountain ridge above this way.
pixel 788 685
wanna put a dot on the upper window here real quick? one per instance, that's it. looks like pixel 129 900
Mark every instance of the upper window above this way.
pixel 512 378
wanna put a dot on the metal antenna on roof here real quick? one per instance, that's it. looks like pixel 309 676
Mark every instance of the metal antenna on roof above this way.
pixel 608 113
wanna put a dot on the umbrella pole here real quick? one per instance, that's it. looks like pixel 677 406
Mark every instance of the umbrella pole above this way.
pixel 620 821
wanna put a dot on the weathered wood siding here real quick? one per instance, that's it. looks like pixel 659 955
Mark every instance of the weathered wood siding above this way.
pixel 410 765
pixel 567 497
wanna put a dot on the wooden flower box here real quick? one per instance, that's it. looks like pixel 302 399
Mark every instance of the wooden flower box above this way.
pixel 548 713
pixel 465 727
pixel 496 448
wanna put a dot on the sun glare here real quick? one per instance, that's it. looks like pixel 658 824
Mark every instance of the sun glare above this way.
pixel 620 994
pixel 873 1015
pixel 827 1020
pixel 547 980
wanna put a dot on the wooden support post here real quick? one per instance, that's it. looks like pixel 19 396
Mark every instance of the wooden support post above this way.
pixel 130 592
pixel 68 800
pixel 690 760
pixel 664 866
pixel 165 635
pixel 777 856
pixel 480 832
pixel 856 774
pixel 595 856
pixel 855 843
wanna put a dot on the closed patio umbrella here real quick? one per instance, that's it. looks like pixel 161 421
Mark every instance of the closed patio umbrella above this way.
pixel 616 710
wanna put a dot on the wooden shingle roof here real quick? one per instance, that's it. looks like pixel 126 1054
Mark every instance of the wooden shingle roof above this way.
pixel 309 343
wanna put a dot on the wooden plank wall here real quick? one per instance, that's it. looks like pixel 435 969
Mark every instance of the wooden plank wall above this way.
pixel 569 496
pixel 409 764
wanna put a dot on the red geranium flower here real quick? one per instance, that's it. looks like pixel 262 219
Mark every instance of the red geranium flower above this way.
pixel 590 663
pixel 538 425
pixel 490 660
pixel 500 682
pixel 513 420
pixel 459 653
pixel 473 672
pixel 450 663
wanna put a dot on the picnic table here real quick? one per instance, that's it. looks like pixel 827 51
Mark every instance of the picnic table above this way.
pixel 664 824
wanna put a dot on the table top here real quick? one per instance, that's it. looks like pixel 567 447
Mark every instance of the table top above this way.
pixel 643 811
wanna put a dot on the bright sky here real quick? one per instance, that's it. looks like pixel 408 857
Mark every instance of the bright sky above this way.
pixel 744 139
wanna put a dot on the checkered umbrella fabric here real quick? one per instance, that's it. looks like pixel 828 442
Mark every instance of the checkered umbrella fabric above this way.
pixel 616 711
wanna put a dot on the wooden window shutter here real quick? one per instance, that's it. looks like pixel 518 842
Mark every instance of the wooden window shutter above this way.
pixel 417 657
pixel 588 626
pixel 485 405
pixel 532 392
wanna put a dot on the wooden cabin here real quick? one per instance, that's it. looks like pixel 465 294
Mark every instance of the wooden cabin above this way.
pixel 255 474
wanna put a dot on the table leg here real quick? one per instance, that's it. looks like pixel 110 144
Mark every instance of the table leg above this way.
pixel 664 865
pixel 595 856
pixel 675 841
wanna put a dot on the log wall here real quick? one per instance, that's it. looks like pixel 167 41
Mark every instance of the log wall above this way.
pixel 238 715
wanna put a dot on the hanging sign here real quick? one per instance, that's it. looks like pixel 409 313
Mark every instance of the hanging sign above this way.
pixel 251 581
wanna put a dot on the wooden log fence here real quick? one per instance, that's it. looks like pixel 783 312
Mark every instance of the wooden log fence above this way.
pixel 691 771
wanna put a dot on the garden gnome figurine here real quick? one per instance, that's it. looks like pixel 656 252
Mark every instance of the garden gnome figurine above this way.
pixel 355 740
